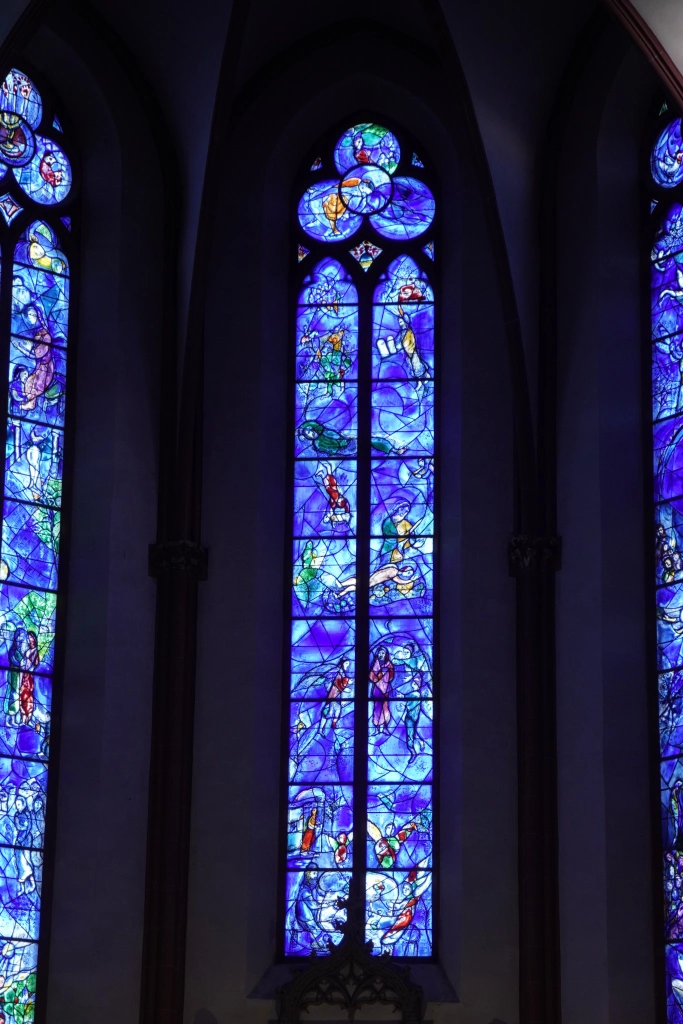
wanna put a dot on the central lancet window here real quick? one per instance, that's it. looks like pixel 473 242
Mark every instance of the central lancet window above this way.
pixel 359 821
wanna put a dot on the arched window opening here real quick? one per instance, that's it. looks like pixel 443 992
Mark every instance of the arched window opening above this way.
pixel 35 239
pixel 360 806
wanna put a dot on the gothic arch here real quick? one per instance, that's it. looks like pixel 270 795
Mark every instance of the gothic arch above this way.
pixel 246 336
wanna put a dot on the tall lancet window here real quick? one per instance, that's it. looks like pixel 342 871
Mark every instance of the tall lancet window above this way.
pixel 665 176
pixel 35 190
pixel 359 823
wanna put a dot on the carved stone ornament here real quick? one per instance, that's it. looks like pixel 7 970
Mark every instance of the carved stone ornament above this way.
pixel 527 553
pixel 178 556
pixel 350 977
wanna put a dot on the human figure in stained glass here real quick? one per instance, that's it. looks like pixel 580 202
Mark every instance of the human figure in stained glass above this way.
pixel 17 653
pixel 339 510
pixel 381 676
pixel 331 710
pixel 325 440
pixel 418 368
pixel 396 530
pixel 340 846
pixel 413 709
pixel 387 846
pixel 309 835
pixel 404 909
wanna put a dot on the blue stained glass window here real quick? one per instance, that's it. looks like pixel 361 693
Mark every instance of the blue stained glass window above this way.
pixel 36 175
pixel 360 715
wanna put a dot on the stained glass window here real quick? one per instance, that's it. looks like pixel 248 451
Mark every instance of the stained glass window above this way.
pixel 35 190
pixel 359 820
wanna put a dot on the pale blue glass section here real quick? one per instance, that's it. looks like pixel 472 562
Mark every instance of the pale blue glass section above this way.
pixel 47 178
pixel 410 212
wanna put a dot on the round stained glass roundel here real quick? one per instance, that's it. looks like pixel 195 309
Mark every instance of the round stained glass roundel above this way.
pixel 409 213
pixel 666 161
pixel 324 214
pixel 365 189
pixel 367 144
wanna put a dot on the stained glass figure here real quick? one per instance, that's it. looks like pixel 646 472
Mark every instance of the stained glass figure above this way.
pixel 301 253
pixel 37 173
pixel 416 162
pixel 366 253
pixel 9 208
pixel 364 460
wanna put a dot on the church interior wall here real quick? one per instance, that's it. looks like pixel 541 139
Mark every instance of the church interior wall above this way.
pixel 104 752
pixel 237 730
pixel 604 806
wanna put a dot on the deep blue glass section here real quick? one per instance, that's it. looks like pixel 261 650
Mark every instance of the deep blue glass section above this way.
pixel 30 544
pixel 321 740
pixel 320 826
pixel 403 418
pixel 670 685
pixel 674 984
pixel 666 161
pixel 409 213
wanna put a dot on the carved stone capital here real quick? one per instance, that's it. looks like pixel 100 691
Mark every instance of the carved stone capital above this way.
pixel 350 977
pixel 178 556
pixel 533 554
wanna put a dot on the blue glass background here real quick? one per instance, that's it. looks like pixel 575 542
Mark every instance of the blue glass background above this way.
pixel 30 544
pixel 390 757
pixel 313 511
pixel 673 894
pixel 318 645
pixel 321 741
pixel 674 984
pixel 409 213
pixel 402 416
pixel 21 875
pixel 668 458
pixel 671 713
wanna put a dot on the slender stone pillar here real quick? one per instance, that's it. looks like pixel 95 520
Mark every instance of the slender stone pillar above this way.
pixel 533 561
